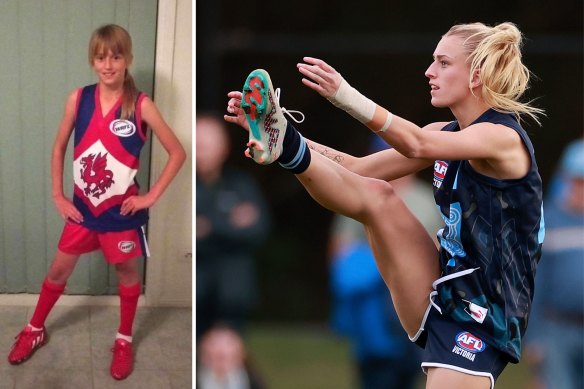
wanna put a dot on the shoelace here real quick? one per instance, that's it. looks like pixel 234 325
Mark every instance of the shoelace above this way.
pixel 27 334
pixel 20 338
pixel 24 337
pixel 289 112
pixel 20 335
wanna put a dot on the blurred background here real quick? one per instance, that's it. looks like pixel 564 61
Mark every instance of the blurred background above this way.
pixel 382 48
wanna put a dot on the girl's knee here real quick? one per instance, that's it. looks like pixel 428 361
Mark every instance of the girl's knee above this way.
pixel 127 266
pixel 57 278
pixel 127 272
pixel 61 268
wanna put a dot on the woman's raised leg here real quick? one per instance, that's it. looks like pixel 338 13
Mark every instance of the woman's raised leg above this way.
pixel 406 255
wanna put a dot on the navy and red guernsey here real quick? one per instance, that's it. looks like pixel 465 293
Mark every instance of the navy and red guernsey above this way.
pixel 490 245
pixel 105 162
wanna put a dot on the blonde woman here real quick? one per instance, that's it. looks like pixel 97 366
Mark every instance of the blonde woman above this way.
pixel 109 121
pixel 466 303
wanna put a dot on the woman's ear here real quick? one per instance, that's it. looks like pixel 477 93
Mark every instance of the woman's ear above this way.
pixel 476 79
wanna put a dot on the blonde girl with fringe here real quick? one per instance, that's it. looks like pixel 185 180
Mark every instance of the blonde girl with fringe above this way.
pixel 465 300
pixel 109 121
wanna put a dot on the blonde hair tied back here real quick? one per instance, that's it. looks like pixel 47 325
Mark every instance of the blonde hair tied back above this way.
pixel 496 53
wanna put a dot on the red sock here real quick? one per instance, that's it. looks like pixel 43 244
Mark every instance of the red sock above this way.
pixel 128 304
pixel 50 293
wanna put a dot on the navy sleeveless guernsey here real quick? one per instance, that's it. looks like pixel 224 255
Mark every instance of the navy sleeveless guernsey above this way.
pixel 490 245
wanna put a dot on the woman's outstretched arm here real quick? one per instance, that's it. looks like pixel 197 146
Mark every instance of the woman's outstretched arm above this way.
pixel 385 165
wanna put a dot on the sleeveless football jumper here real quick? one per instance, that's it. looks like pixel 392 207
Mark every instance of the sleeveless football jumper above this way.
pixel 490 245
pixel 105 162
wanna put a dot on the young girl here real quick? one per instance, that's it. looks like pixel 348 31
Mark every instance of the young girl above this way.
pixel 110 120
pixel 468 303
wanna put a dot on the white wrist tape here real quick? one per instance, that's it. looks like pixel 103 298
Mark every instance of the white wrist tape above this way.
pixel 388 120
pixel 354 103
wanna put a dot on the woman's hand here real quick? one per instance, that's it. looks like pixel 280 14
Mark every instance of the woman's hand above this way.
pixel 320 76
pixel 67 209
pixel 236 114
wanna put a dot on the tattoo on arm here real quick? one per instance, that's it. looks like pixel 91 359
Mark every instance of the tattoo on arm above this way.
pixel 331 154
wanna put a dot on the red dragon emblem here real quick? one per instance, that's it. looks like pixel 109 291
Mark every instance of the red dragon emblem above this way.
pixel 95 175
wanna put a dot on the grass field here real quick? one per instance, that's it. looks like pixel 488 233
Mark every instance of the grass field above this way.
pixel 311 357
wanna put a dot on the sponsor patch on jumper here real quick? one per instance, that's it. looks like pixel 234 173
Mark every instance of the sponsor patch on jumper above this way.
pixel 123 128
pixel 467 345
pixel 126 246
pixel 475 311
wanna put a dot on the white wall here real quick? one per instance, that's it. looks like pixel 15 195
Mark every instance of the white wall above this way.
pixel 169 269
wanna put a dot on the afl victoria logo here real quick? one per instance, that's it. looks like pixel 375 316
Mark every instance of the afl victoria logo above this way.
pixel 469 342
pixel 124 128
pixel 126 246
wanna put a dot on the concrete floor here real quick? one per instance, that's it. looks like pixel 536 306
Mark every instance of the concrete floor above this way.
pixel 78 352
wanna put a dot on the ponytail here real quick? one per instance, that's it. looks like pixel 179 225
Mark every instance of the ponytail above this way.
pixel 130 96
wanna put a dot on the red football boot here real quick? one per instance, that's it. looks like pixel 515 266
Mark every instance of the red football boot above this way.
pixel 123 360
pixel 27 342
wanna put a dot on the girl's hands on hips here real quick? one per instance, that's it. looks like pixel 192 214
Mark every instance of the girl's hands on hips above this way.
pixel 320 76
pixel 237 116
pixel 133 204
pixel 67 209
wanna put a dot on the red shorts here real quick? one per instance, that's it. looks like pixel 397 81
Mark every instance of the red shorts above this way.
pixel 117 247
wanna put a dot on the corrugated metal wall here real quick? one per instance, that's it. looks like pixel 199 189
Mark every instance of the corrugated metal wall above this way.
pixel 43 57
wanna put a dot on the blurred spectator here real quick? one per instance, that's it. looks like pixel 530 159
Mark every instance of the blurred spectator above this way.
pixel 222 361
pixel 232 220
pixel 555 340
pixel 362 306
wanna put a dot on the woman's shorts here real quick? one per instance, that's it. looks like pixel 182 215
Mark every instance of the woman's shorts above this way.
pixel 117 247
pixel 448 344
